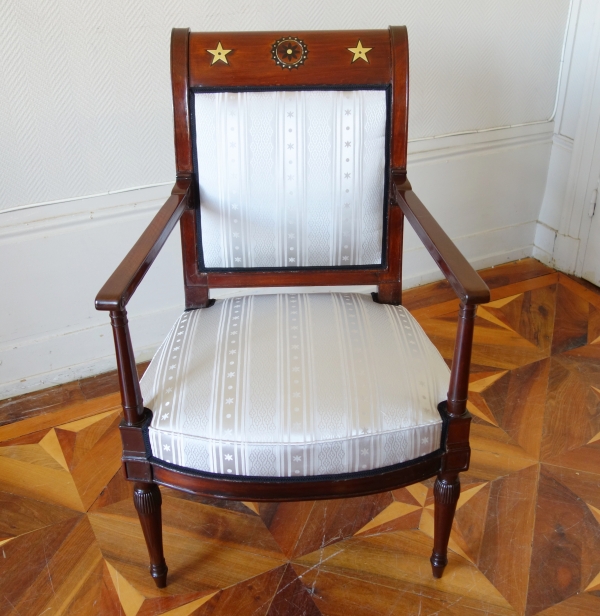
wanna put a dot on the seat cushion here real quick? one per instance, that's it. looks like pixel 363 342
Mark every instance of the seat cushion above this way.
pixel 295 385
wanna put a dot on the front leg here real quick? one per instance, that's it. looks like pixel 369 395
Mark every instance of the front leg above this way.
pixel 456 458
pixel 147 500
pixel 446 492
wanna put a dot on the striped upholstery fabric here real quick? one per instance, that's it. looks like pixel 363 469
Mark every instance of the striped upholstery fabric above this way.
pixel 295 385
pixel 291 179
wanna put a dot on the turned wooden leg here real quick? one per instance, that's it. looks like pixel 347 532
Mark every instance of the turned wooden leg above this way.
pixel 147 500
pixel 446 492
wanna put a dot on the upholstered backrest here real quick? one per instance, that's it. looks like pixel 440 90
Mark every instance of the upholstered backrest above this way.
pixel 291 178
pixel 291 139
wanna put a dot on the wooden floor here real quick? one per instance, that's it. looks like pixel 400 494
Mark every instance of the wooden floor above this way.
pixel 526 538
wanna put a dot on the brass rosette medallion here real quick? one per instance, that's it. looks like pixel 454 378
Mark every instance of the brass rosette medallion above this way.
pixel 289 52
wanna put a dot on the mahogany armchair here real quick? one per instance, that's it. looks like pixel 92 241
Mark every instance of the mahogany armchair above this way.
pixel 291 171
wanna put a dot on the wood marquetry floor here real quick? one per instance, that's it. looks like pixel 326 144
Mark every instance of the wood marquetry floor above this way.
pixel 526 538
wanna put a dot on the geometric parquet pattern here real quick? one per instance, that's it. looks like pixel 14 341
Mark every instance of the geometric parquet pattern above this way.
pixel 526 538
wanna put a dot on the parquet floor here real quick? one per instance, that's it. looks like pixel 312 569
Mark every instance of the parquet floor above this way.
pixel 526 538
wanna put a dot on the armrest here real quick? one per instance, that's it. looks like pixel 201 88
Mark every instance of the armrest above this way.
pixel 119 288
pixel 465 281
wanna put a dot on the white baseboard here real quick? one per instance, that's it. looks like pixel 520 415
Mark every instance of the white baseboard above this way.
pixel 541 255
pixel 556 249
pixel 148 330
pixel 486 249
pixel 87 346
pixel 491 260
pixel 545 238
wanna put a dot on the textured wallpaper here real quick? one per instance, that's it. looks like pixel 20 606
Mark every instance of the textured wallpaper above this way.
pixel 84 85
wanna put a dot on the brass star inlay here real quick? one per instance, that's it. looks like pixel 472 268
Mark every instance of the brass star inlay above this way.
pixel 219 54
pixel 359 52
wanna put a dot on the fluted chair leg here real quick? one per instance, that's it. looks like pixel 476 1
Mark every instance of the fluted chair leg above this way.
pixel 148 500
pixel 446 492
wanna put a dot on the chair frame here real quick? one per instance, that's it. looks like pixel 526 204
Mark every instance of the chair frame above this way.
pixel 328 66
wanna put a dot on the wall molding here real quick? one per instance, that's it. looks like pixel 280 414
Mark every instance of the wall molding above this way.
pixel 86 131
pixel 71 222
pixel 97 208
pixel 109 207
pixel 420 150
pixel 479 143
pixel 29 206
pixel 77 346
pixel 562 141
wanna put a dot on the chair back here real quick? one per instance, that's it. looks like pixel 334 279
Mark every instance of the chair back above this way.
pixel 291 139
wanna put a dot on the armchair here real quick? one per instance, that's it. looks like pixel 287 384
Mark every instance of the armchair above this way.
pixel 291 171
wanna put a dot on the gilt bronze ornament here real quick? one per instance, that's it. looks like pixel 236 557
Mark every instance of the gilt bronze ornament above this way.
pixel 289 52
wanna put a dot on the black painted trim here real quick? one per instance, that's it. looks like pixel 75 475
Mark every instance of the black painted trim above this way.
pixel 295 88
pixel 386 196
pixel 293 480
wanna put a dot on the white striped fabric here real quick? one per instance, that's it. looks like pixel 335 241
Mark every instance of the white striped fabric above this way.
pixel 291 179
pixel 295 385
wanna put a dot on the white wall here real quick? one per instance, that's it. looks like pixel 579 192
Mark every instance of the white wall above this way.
pixel 563 225
pixel 85 109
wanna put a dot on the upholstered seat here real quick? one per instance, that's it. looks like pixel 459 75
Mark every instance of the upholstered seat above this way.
pixel 295 385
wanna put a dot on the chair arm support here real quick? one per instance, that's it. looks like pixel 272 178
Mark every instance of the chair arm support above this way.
pixel 119 288
pixel 458 390
pixel 465 281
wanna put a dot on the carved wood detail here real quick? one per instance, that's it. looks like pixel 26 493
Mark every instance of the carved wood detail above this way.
pixel 147 500
pixel 446 492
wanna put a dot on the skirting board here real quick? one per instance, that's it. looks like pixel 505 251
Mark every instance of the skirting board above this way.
pixel 52 335
pixel 88 345
pixel 58 350
pixel 555 249
pixel 541 255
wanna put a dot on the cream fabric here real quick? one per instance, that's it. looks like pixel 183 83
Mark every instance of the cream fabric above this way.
pixel 291 179
pixel 295 385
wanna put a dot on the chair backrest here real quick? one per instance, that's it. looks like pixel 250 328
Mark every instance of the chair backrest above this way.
pixel 291 139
